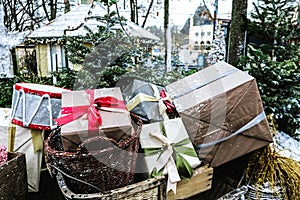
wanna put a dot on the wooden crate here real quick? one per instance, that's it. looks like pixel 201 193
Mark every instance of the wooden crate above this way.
pixel 200 182
pixel 13 178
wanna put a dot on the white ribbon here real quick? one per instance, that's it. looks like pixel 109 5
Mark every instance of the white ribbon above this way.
pixel 166 160
pixel 256 120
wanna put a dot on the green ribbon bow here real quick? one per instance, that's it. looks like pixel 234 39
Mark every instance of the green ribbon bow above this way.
pixel 184 168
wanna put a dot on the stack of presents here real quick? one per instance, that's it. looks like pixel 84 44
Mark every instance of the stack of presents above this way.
pixel 101 141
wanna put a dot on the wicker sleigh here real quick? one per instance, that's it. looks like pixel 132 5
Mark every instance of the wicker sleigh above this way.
pixel 92 169
pixel 150 189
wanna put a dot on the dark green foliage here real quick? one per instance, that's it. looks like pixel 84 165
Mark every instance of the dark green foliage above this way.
pixel 76 49
pixel 6 87
pixel 30 63
pixel 65 78
pixel 152 70
pixel 104 55
pixel 274 62
pixel 279 85
pixel 274 28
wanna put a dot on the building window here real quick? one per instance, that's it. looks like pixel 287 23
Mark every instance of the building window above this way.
pixel 196 34
pixel 202 34
pixel 208 33
pixel 208 46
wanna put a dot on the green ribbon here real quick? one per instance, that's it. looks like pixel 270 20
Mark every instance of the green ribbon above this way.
pixel 184 168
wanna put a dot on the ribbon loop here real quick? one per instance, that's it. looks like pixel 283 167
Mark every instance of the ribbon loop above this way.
pixel 91 110
pixel 110 102
pixel 167 153
pixel 164 101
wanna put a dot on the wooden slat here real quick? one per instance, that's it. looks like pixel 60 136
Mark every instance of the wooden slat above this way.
pixel 199 182
pixel 13 178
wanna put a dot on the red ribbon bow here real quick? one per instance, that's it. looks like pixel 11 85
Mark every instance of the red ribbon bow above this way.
pixel 170 107
pixel 94 118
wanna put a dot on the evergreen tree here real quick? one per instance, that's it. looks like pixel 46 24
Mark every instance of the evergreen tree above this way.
pixel 273 28
pixel 218 49
pixel 109 54
pixel 103 54
pixel 273 59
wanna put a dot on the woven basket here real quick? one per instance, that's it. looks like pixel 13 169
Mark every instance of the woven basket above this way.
pixel 100 163
pixel 154 189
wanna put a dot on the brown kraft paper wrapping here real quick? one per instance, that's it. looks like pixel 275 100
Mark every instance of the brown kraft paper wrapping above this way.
pixel 221 100
pixel 116 123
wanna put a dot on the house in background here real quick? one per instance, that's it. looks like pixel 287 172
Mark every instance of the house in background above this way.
pixel 199 31
pixel 47 41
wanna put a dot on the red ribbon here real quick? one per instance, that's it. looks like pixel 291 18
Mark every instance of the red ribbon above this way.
pixel 94 118
pixel 170 107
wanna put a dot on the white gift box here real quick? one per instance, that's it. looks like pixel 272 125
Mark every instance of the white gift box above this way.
pixel 166 145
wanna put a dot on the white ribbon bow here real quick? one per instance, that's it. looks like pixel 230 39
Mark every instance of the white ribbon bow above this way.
pixel 166 160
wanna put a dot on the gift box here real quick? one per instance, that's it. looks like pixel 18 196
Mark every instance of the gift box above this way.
pixel 168 150
pixel 222 111
pixel 3 154
pixel 150 102
pixel 26 141
pixel 93 113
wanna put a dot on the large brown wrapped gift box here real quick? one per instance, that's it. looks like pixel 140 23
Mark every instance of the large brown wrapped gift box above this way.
pixel 115 120
pixel 222 111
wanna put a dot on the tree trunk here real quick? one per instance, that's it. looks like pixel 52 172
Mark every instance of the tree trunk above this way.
pixel 53 7
pixel 132 11
pixel 168 39
pixel 237 31
pixel 148 12
pixel 67 6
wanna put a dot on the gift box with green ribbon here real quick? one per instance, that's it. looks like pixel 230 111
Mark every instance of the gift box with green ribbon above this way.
pixel 90 113
pixel 150 102
pixel 168 151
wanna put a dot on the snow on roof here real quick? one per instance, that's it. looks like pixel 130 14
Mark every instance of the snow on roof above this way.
pixel 64 24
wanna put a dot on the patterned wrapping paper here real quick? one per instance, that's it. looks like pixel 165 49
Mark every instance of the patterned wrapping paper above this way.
pixel 3 154
pixel 148 101
pixel 222 111
pixel 91 113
